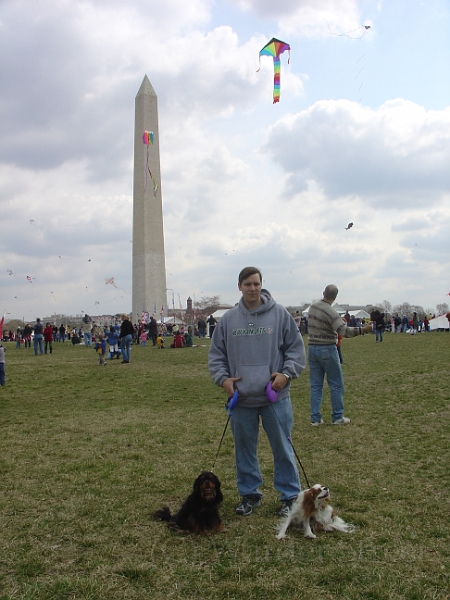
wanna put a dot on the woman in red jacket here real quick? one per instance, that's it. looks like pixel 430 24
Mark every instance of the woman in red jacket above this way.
pixel 48 337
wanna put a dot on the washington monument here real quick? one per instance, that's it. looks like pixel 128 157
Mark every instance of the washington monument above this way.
pixel 149 267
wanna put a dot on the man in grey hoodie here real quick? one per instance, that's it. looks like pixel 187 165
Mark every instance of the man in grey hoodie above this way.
pixel 255 342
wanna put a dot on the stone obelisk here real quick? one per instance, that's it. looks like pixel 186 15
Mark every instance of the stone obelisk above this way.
pixel 149 268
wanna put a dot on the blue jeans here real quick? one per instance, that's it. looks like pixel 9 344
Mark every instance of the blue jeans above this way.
pixel 125 344
pixel 2 374
pixel 87 339
pixel 325 360
pixel 378 334
pixel 277 421
pixel 38 341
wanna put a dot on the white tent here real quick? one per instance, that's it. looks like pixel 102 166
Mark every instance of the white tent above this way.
pixel 218 314
pixel 439 323
pixel 336 307
pixel 173 320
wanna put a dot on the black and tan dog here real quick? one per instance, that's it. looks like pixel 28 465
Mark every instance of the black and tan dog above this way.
pixel 200 511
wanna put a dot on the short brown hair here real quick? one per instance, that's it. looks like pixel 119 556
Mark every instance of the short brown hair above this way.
pixel 248 272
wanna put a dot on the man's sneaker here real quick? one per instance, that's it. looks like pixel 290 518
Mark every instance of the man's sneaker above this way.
pixel 248 503
pixel 286 506
pixel 317 423
pixel 341 421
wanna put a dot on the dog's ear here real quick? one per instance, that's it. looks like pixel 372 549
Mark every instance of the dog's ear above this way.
pixel 308 504
pixel 197 483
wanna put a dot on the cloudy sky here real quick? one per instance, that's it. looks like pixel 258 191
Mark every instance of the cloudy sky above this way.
pixel 361 134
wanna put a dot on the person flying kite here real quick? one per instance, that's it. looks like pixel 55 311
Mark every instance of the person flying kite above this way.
pixel 275 48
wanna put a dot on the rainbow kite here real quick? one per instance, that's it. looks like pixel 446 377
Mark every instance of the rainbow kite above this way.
pixel 147 138
pixel 275 48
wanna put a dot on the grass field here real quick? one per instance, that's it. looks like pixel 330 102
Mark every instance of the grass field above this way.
pixel 87 453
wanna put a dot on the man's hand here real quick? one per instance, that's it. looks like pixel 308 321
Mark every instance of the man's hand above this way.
pixel 228 386
pixel 279 381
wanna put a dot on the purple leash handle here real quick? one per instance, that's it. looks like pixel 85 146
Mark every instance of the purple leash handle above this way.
pixel 271 394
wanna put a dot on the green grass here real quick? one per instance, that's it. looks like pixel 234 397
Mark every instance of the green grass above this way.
pixel 88 453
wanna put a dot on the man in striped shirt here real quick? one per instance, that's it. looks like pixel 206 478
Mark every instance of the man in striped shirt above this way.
pixel 324 325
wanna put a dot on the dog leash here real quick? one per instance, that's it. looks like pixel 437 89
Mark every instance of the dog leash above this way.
pixel 292 446
pixel 272 396
pixel 229 406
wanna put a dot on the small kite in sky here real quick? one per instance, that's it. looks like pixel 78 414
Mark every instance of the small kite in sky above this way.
pixel 361 27
pixel 111 281
pixel 148 139
pixel 349 226
pixel 9 272
pixel 30 279
pixel 31 221
pixel 275 48
pixel 97 303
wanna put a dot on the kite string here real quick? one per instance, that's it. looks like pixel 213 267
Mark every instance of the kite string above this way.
pixel 366 27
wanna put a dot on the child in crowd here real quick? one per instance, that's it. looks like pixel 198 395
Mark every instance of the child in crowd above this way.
pixel 113 342
pixel 160 342
pixel 100 348
pixel 188 340
pixel 2 366
pixel 144 336
pixel 178 340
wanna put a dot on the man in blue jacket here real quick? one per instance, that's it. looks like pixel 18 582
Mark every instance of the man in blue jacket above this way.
pixel 255 342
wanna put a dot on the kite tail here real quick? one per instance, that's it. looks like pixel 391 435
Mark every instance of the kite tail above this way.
pixel 147 168
pixel 155 185
pixel 276 79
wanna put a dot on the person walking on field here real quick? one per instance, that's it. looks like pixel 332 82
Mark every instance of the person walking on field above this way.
pixel 48 337
pixel 255 342
pixel 212 325
pixel 126 337
pixel 38 340
pixel 325 324
pixel 153 330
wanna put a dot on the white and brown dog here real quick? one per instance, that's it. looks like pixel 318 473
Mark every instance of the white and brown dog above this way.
pixel 312 508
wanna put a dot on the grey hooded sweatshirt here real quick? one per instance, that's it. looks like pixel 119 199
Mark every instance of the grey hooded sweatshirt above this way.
pixel 253 345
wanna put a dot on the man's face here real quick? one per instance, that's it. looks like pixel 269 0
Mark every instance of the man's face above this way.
pixel 251 290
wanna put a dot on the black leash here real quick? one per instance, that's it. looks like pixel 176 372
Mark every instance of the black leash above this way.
pixel 229 408
pixel 220 443
pixel 292 446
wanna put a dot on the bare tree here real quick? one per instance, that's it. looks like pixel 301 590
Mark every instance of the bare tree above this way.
pixel 386 306
pixel 403 309
pixel 442 308
pixel 207 304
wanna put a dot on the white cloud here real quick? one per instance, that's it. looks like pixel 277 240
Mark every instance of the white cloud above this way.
pixel 397 155
pixel 70 72
pixel 312 19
